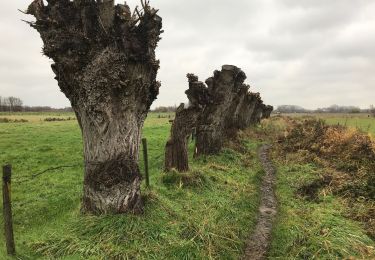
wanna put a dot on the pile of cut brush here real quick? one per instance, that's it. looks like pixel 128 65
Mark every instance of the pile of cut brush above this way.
pixel 348 151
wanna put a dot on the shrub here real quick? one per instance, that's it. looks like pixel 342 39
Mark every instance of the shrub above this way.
pixel 7 120
pixel 53 119
pixel 345 149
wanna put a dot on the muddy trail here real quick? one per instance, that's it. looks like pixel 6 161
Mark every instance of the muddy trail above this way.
pixel 259 242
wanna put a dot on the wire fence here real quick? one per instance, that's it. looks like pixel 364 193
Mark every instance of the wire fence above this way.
pixel 154 161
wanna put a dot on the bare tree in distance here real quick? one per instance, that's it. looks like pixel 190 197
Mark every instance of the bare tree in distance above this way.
pixel 165 109
pixel 15 104
pixel 10 104
pixel 5 105
pixel 104 62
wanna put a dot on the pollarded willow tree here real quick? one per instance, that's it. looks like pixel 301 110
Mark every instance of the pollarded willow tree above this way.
pixel 176 149
pixel 267 111
pixel 217 110
pixel 104 61
pixel 212 124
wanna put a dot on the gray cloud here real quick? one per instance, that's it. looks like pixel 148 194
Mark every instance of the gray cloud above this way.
pixel 307 52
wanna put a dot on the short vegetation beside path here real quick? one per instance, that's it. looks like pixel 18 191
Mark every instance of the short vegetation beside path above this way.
pixel 325 187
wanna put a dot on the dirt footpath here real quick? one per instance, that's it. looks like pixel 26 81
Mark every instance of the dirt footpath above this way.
pixel 258 244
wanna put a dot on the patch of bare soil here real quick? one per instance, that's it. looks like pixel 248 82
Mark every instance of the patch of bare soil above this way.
pixel 258 244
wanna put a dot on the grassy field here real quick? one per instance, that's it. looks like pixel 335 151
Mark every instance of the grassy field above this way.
pixel 366 124
pixel 207 213
pixel 363 121
pixel 34 117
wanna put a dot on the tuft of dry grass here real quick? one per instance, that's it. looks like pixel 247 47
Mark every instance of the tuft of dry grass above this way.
pixel 346 150
pixel 346 161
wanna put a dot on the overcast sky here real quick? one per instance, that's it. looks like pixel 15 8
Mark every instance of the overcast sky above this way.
pixel 311 53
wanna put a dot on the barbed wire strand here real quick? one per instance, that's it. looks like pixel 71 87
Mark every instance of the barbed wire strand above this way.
pixel 33 176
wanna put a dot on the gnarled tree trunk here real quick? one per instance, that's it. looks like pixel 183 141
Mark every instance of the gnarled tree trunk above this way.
pixel 217 111
pixel 105 65
pixel 223 89
pixel 256 109
pixel 267 111
pixel 246 111
pixel 236 110
pixel 176 149
pixel 257 114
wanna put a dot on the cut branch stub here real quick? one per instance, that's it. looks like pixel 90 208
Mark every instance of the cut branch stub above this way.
pixel 104 61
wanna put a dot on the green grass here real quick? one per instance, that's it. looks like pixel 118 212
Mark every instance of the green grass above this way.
pixel 206 213
pixel 313 229
pixel 211 217
pixel 360 121
pixel 366 124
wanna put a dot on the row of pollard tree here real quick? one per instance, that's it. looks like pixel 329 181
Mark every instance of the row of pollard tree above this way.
pixel 217 111
pixel 104 61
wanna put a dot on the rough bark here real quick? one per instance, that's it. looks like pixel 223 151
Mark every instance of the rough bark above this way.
pixel 223 90
pixel 176 149
pixel 257 116
pixel 267 111
pixel 104 61
pixel 244 116
pixel 238 108
pixel 217 111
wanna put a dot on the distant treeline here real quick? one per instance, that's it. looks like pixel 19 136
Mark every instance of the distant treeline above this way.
pixel 15 104
pixel 10 104
pixel 45 109
pixel 330 109
pixel 164 109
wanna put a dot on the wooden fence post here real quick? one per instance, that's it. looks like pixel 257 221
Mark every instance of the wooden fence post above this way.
pixel 7 210
pixel 145 158
pixel 193 134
